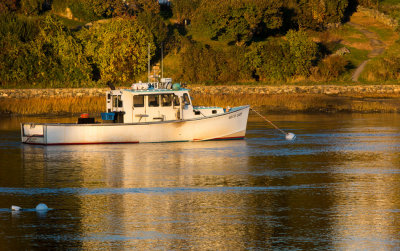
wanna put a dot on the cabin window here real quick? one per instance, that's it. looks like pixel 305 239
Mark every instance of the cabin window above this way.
pixel 117 102
pixel 176 100
pixel 154 100
pixel 186 99
pixel 138 101
pixel 166 99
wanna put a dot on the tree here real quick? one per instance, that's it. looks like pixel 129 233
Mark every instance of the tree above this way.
pixel 153 24
pixel 8 6
pixel 32 7
pixel 303 51
pixel 52 56
pixel 137 6
pixel 118 49
pixel 237 21
pixel 369 3
pixel 316 14
pixel 184 9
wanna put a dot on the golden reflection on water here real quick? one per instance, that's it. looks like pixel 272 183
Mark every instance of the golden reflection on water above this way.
pixel 335 187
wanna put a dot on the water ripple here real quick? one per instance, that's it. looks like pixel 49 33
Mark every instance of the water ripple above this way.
pixel 108 191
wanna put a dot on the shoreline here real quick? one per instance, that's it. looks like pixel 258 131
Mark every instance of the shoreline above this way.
pixel 346 90
pixel 272 99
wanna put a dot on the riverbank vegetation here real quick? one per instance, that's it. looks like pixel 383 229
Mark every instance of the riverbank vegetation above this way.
pixel 275 103
pixel 73 43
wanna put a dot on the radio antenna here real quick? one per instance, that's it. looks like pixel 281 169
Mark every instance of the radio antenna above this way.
pixel 148 63
pixel 162 59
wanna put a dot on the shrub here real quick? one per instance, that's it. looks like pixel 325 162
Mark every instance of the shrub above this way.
pixel 278 59
pixel 23 28
pixel 200 63
pixel 383 69
pixel 330 68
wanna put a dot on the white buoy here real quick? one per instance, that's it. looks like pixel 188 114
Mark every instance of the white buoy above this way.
pixel 15 208
pixel 41 207
pixel 290 136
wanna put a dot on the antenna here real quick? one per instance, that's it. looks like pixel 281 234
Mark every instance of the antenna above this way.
pixel 148 63
pixel 162 58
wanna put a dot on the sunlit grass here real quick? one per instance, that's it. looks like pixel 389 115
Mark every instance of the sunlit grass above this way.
pixel 37 106
pixel 356 56
pixel 271 103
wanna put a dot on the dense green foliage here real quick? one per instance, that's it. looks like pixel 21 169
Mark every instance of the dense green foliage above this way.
pixel 237 21
pixel 117 48
pixel 42 53
pixel 279 59
pixel 42 45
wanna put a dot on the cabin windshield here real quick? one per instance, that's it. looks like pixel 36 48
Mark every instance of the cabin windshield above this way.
pixel 186 99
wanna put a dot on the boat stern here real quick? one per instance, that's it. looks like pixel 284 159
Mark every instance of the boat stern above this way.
pixel 32 133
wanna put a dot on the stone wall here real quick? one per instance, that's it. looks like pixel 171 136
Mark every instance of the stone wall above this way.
pixel 381 17
pixel 211 90
pixel 292 89
pixel 51 93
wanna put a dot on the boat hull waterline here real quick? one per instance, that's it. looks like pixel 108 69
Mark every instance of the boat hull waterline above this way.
pixel 229 125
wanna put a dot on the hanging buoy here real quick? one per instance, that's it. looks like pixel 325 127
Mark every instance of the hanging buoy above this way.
pixel 41 207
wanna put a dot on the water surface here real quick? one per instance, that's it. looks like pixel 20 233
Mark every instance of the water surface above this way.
pixel 335 187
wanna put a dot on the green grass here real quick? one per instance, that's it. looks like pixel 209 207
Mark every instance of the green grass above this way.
pixel 202 37
pixel 384 34
pixel 347 31
pixel 394 2
pixel 356 56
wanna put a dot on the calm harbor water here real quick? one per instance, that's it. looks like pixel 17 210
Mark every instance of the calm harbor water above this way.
pixel 335 187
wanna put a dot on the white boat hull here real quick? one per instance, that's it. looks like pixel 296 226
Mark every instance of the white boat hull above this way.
pixel 230 125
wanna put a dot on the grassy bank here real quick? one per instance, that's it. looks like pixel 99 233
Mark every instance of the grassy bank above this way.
pixel 269 103
pixel 40 106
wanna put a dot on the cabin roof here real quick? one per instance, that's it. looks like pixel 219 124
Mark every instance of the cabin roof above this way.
pixel 155 91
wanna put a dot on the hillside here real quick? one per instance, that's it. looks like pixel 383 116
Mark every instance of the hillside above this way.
pixel 75 43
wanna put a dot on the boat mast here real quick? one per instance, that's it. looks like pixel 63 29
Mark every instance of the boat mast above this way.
pixel 148 63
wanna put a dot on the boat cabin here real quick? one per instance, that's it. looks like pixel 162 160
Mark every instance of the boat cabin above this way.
pixel 154 102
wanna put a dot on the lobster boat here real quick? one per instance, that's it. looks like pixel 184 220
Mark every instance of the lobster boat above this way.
pixel 147 112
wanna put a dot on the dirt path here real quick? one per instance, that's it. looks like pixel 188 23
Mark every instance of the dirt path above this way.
pixel 378 47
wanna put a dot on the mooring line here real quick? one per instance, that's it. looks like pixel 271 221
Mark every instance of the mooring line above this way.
pixel 288 135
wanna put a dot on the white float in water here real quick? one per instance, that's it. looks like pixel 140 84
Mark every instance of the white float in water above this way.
pixel 15 208
pixel 290 136
pixel 41 207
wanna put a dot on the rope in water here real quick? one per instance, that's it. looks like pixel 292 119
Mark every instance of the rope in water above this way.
pixel 289 136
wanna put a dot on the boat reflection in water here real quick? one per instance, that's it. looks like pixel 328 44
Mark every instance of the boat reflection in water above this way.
pixel 142 196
